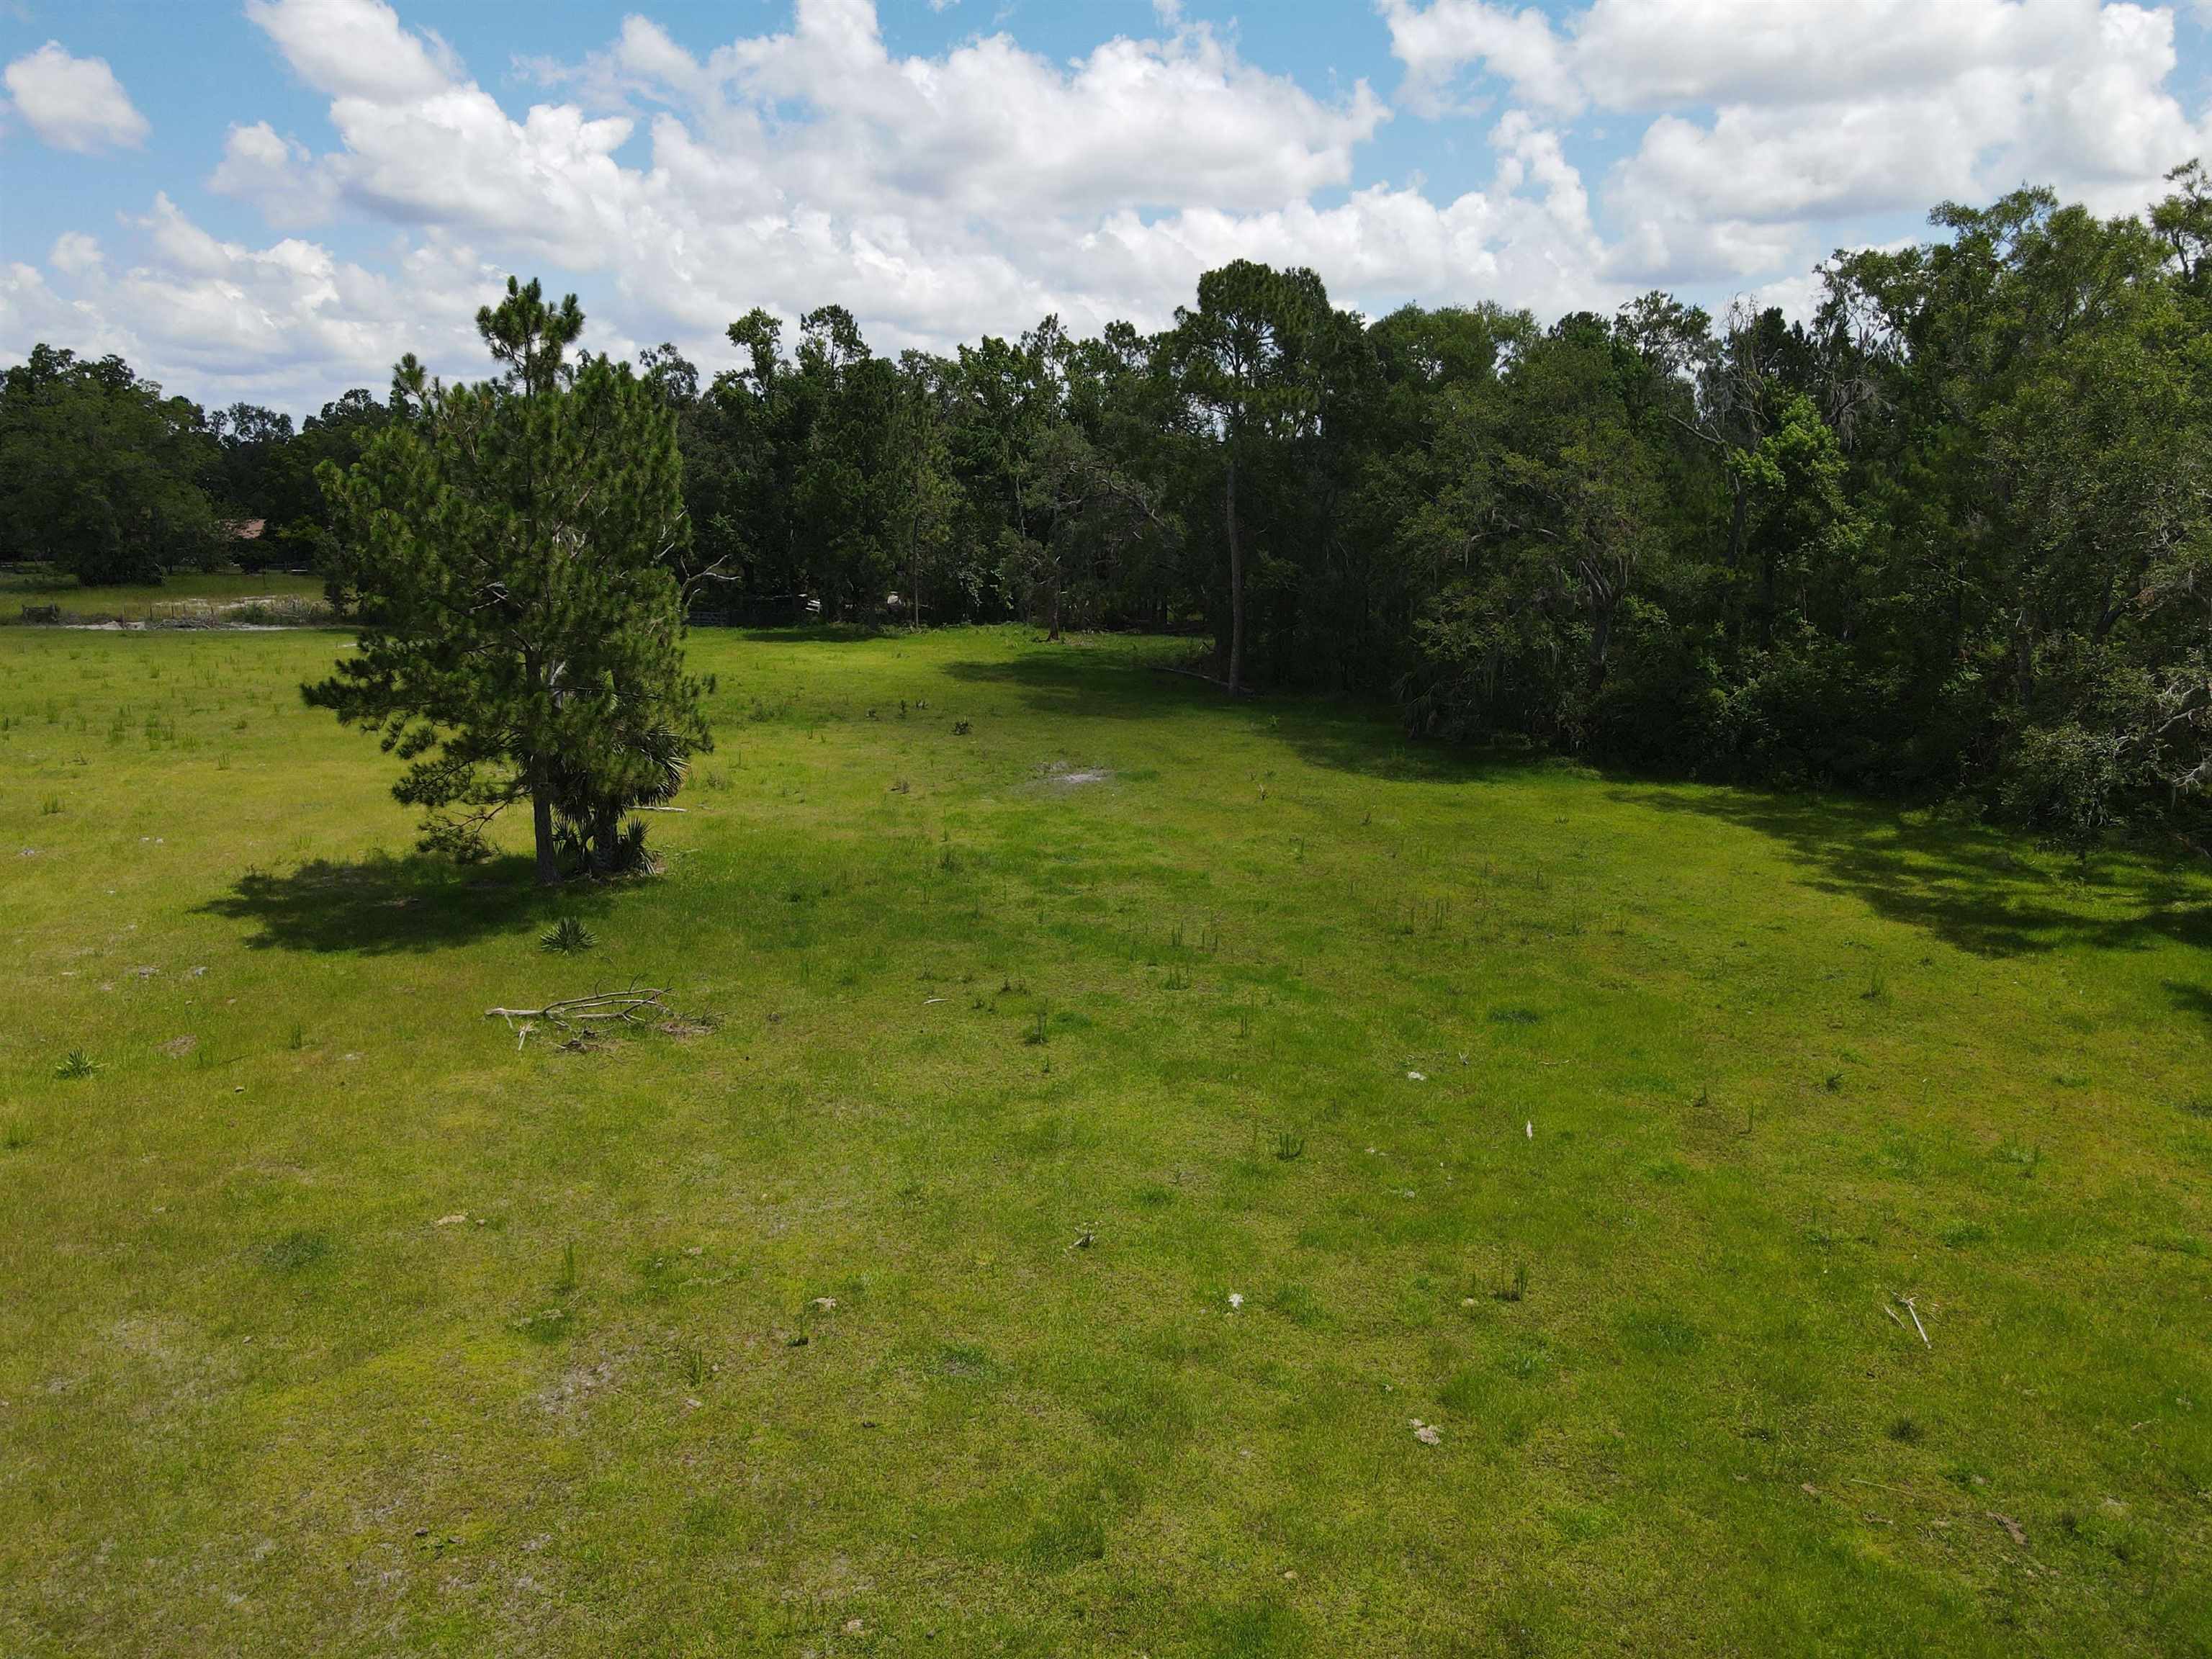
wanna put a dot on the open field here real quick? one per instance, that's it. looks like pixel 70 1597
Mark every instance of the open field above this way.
pixel 184 590
pixel 1595 1123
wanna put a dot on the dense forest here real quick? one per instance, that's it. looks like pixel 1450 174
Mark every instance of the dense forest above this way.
pixel 1950 537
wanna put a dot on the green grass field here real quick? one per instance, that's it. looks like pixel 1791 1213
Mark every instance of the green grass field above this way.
pixel 1599 1126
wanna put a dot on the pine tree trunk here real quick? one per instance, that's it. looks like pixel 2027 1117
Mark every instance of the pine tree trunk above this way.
pixel 541 827
pixel 606 827
pixel 1236 582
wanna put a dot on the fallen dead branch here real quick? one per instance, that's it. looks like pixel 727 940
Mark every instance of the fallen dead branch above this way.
pixel 582 1015
pixel 1917 1325
pixel 1906 1303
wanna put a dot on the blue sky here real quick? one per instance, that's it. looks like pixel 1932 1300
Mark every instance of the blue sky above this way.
pixel 270 199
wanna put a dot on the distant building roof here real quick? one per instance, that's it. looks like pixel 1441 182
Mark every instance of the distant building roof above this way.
pixel 246 530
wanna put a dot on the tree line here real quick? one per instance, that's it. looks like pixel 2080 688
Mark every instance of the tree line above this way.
pixel 1952 534
pixel 110 480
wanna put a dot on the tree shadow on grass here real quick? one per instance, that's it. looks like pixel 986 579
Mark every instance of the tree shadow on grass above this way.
pixel 1370 741
pixel 1974 887
pixel 1969 885
pixel 1341 734
pixel 1078 683
pixel 805 633
pixel 382 905
pixel 2189 999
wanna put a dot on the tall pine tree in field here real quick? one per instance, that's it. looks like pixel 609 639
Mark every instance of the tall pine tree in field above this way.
pixel 1250 358
pixel 507 547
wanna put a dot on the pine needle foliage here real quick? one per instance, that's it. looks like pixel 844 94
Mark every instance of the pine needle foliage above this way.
pixel 507 548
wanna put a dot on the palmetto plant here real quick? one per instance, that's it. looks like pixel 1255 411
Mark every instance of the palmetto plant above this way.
pixel 566 936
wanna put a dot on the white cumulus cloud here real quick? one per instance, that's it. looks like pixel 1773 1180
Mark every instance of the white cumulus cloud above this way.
pixel 73 103
pixel 74 254
pixel 938 196
pixel 276 172
pixel 1768 115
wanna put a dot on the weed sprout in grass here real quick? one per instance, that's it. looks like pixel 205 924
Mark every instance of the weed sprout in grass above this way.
pixel 691 1361
pixel 76 1064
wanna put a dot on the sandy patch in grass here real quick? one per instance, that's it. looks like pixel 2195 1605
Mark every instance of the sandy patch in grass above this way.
pixel 1059 774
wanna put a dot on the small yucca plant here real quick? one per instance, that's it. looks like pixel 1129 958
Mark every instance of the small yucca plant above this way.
pixel 567 935
pixel 76 1063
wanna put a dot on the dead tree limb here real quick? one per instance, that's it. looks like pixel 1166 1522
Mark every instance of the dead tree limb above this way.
pixel 601 1009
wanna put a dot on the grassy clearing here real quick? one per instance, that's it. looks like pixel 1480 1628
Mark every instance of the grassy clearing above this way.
pixel 184 591
pixel 1591 1123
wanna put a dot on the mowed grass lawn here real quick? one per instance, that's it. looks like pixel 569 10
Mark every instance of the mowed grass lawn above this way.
pixel 1598 1125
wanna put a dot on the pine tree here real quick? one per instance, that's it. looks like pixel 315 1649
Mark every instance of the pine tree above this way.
pixel 1248 356
pixel 507 546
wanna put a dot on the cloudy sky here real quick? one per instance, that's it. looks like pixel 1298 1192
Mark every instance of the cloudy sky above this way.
pixel 273 199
